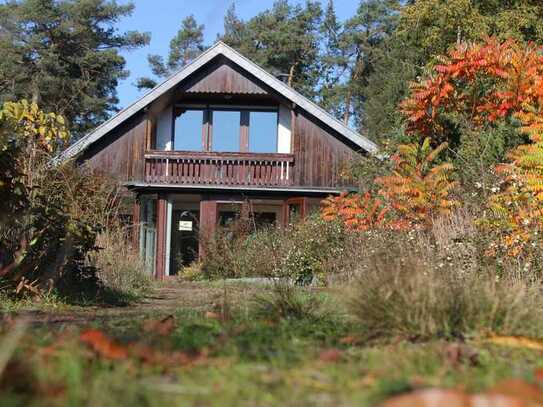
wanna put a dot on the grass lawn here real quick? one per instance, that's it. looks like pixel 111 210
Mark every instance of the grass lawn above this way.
pixel 204 344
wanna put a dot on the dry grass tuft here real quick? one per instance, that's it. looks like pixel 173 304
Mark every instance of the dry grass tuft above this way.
pixel 119 267
pixel 424 285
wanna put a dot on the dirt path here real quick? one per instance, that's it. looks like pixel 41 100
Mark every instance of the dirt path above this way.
pixel 165 298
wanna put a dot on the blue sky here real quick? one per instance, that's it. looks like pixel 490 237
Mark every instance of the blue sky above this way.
pixel 162 19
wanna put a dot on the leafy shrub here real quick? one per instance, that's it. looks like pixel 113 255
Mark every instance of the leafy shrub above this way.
pixel 303 252
pixel 357 212
pixel 489 84
pixel 55 210
pixel 417 190
pixel 286 301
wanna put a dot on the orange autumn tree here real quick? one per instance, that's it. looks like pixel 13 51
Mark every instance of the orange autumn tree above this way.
pixel 357 212
pixel 418 189
pixel 517 210
pixel 513 78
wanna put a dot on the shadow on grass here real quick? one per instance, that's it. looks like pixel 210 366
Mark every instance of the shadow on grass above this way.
pixel 74 289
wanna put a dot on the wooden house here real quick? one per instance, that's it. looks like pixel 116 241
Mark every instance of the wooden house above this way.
pixel 219 137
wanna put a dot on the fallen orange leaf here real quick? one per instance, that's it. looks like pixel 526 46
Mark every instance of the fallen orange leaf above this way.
pixel 452 398
pixel 538 374
pixel 517 342
pixel 349 340
pixel 330 355
pixel 162 327
pixel 102 345
pixel 519 389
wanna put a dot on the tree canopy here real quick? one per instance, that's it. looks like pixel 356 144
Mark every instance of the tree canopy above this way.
pixel 65 55
pixel 426 29
pixel 187 44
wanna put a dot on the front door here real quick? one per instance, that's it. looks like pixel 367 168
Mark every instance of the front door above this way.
pixel 184 239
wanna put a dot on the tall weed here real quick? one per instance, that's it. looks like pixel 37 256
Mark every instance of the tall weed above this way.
pixel 118 265
pixel 420 288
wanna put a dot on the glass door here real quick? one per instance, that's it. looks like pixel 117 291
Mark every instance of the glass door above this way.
pixel 184 239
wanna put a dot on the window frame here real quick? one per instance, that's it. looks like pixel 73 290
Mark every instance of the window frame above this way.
pixel 207 124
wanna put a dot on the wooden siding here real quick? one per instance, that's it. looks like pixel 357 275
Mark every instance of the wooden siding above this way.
pixel 223 78
pixel 318 155
pixel 121 155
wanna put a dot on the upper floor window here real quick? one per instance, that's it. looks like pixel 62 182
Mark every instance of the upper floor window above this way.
pixel 263 132
pixel 226 130
pixel 188 130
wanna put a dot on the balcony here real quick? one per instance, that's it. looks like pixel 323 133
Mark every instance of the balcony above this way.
pixel 210 168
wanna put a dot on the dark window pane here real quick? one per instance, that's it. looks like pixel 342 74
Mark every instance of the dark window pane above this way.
pixel 188 130
pixel 263 132
pixel 264 219
pixel 227 218
pixel 226 131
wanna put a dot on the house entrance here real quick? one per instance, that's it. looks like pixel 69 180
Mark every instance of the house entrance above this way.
pixel 184 238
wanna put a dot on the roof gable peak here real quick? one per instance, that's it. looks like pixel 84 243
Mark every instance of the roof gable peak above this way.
pixel 220 48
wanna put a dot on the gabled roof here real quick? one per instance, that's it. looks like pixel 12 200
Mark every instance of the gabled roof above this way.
pixel 219 48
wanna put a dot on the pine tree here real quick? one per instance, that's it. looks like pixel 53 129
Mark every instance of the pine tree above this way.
pixel 364 33
pixel 333 64
pixel 235 30
pixel 64 55
pixel 283 40
pixel 184 48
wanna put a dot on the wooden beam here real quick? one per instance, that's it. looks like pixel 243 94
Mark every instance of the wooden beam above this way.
pixel 208 224
pixel 244 131
pixel 207 131
pixel 161 228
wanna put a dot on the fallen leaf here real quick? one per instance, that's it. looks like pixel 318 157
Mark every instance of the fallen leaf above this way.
pixel 538 375
pixel 161 327
pixel 212 315
pixel 517 342
pixel 102 345
pixel 452 398
pixel 429 398
pixel 330 355
pixel 519 389
pixel 349 340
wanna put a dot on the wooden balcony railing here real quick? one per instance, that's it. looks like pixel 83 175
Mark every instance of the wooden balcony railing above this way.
pixel 208 168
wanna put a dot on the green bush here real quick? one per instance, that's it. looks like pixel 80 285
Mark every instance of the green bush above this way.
pixel 50 212
pixel 286 301
pixel 304 252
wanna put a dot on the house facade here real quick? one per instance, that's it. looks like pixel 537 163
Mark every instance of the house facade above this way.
pixel 218 138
